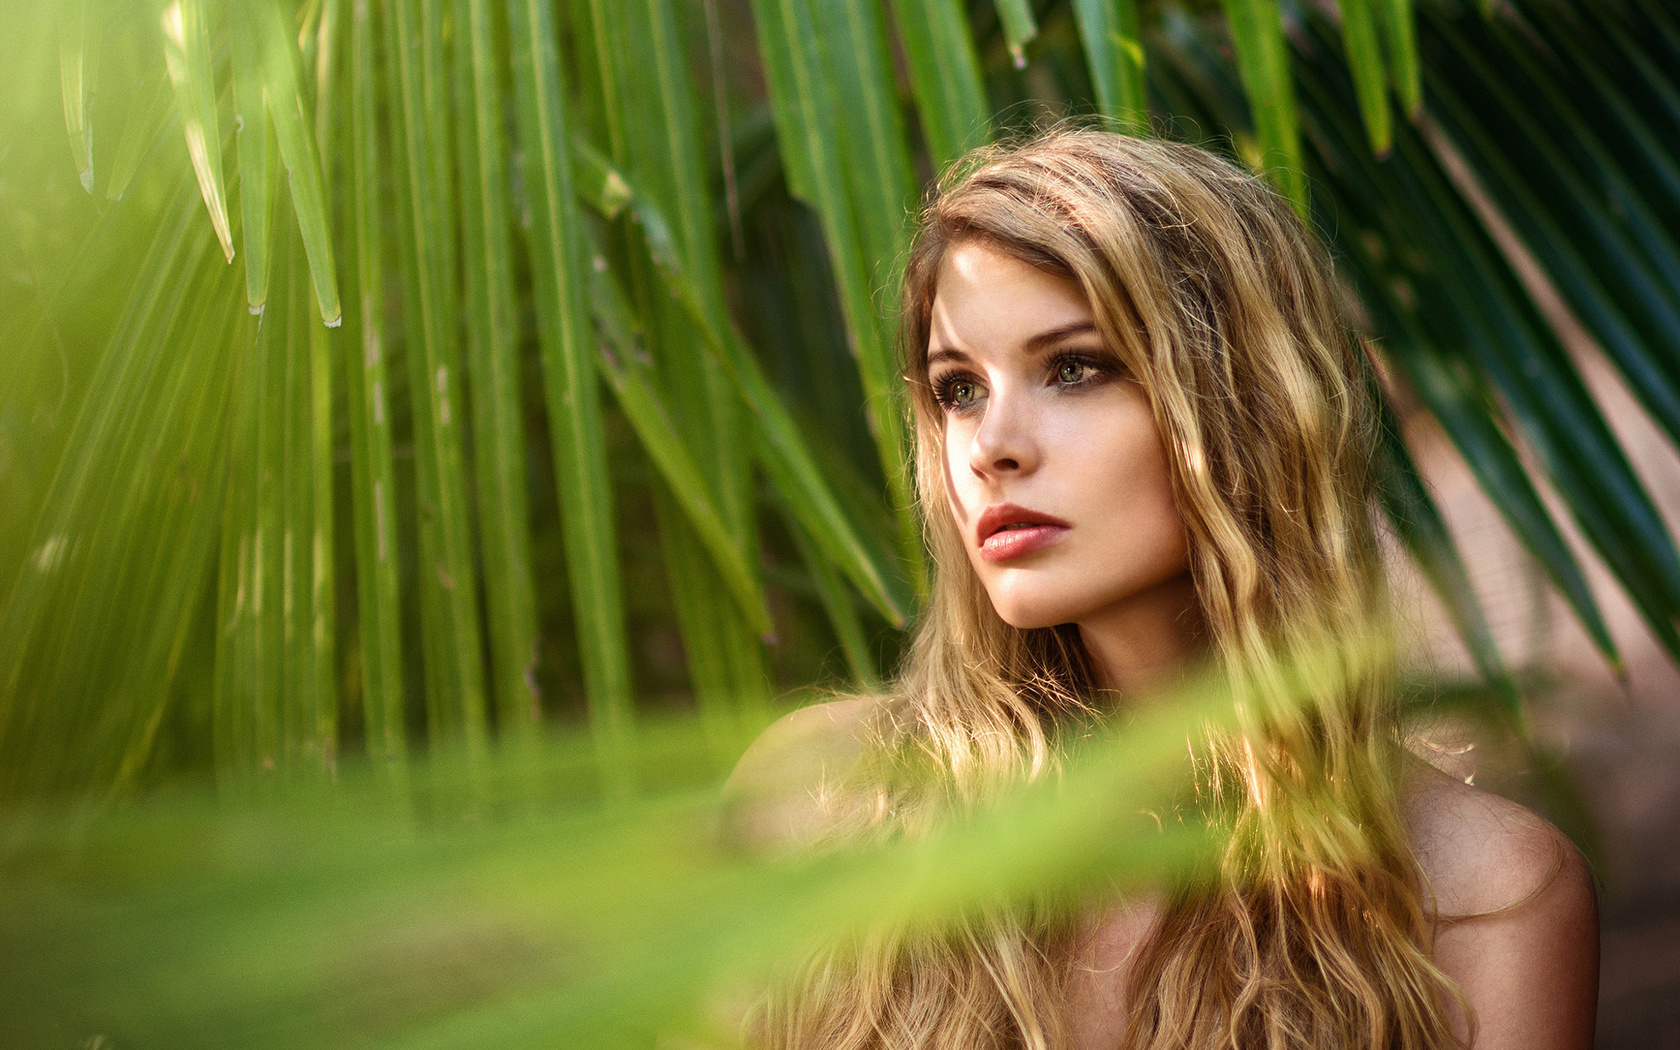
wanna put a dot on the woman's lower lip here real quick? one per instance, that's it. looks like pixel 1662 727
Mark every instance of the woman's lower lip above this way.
pixel 1009 544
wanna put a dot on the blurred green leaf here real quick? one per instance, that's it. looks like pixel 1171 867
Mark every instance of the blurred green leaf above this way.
pixel 298 152
pixel 945 69
pixel 141 133
pixel 1399 28
pixel 78 78
pixel 1108 29
pixel 515 910
pixel 1365 62
pixel 186 48
pixel 572 395
pixel 447 578
pixel 494 365
pixel 1263 61
pixel 253 136
pixel 376 489
pixel 1019 28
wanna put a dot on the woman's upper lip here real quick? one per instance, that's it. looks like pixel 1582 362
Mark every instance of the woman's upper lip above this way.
pixel 999 515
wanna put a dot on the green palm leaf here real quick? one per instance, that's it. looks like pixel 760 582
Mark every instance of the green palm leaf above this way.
pixel 494 364
pixel 1114 52
pixel 278 55
pixel 402 464
pixel 1263 61
pixel 572 394
pixel 448 577
pixel 367 404
pixel 946 71
pixel 808 69
pixel 653 109
pixel 78 77
pixel 253 136
pixel 187 51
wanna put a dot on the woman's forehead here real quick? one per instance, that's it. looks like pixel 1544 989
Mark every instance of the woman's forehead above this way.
pixel 987 300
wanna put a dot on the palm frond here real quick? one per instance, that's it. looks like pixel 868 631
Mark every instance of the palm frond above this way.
pixel 368 567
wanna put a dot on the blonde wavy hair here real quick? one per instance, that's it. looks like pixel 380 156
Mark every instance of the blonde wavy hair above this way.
pixel 1219 302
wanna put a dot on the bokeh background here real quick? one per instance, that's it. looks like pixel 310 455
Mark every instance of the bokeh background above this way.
pixel 1616 738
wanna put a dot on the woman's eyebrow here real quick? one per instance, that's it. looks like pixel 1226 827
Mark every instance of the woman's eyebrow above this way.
pixel 1034 345
pixel 945 353
pixel 1051 337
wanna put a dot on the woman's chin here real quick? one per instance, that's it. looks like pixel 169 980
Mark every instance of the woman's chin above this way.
pixel 1027 616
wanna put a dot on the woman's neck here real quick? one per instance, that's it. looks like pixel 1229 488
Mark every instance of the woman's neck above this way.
pixel 1147 641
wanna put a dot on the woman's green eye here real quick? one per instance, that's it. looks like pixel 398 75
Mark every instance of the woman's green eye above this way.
pixel 952 392
pixel 1071 371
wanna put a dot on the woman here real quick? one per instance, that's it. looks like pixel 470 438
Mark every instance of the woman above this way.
pixel 1144 443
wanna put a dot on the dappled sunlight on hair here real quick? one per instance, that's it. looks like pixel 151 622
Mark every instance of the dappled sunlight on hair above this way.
pixel 1310 931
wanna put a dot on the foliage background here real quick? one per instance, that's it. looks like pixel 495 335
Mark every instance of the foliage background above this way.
pixel 439 374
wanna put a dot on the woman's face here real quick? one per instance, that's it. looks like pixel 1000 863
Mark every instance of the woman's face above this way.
pixel 1054 466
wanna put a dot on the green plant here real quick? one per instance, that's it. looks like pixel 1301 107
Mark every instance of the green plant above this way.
pixel 514 300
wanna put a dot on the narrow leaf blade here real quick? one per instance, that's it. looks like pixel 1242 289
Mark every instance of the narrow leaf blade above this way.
pixel 1019 28
pixel 1263 61
pixel 1365 62
pixel 1108 30
pixel 297 150
pixel 570 382
pixel 186 52
pixel 76 65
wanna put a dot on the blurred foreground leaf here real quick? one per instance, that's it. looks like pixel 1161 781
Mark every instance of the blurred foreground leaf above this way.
pixel 500 902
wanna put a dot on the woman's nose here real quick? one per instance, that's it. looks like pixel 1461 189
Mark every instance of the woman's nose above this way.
pixel 1004 442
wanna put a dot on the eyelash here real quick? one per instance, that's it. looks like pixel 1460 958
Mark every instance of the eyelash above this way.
pixel 1095 371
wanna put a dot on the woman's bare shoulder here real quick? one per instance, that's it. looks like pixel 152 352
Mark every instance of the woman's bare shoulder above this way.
pixel 783 790
pixel 1516 915
pixel 1481 853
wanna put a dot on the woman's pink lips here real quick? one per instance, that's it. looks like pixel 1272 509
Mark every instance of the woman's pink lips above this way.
pixel 1009 544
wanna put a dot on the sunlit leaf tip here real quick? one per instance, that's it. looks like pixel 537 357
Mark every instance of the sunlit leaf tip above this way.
pixel 1019 28
pixel 76 75
pixel 187 56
